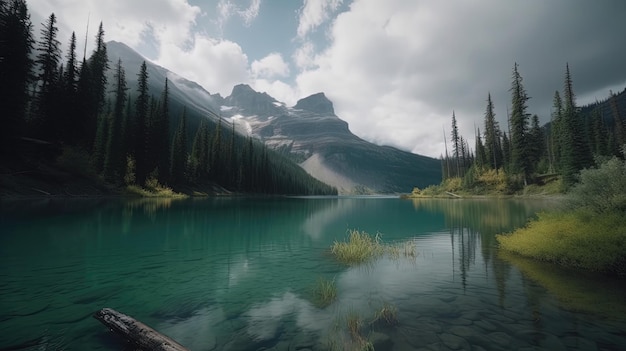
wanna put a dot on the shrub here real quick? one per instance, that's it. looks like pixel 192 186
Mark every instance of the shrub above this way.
pixel 601 190
pixel 580 239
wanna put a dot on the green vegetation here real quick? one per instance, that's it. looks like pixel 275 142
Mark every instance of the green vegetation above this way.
pixel 51 104
pixel 153 188
pixel 577 239
pixel 526 158
pixel 387 314
pixel 324 292
pixel 591 235
pixel 361 247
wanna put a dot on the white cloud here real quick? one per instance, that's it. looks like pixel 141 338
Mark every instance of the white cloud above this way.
pixel 217 65
pixel 304 56
pixel 169 21
pixel 315 12
pixel 396 69
pixel 227 9
pixel 277 89
pixel 270 66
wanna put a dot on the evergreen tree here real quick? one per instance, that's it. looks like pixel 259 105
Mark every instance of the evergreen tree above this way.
pixel 47 60
pixel 456 146
pixel 199 158
pixel 163 136
pixel 536 145
pixel 215 156
pixel 506 151
pixel 99 66
pixel 92 88
pixel 142 106
pixel 80 133
pixel 16 44
pixel 599 134
pixel 520 156
pixel 493 152
pixel 481 154
pixel 556 125
pixel 179 151
pixel 101 138
pixel 619 122
pixel 69 93
pixel 115 160
pixel 575 154
pixel 232 180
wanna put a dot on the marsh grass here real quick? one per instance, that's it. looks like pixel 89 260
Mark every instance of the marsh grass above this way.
pixel 361 247
pixel 324 292
pixel 406 250
pixel 579 239
pixel 386 314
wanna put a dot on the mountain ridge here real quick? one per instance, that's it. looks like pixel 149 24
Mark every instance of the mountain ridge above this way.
pixel 309 132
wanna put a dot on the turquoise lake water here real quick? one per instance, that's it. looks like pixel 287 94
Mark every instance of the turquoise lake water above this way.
pixel 238 274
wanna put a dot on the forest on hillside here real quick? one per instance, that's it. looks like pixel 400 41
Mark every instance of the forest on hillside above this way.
pixel 506 160
pixel 62 109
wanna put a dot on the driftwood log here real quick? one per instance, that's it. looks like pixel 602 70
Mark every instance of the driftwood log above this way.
pixel 136 332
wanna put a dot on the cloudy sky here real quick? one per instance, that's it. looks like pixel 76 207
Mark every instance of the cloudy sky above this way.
pixel 394 69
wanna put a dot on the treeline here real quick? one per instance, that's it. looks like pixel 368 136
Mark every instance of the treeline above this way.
pixel 125 134
pixel 526 153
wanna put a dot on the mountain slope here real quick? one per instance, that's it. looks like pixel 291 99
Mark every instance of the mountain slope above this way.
pixel 309 133
pixel 323 144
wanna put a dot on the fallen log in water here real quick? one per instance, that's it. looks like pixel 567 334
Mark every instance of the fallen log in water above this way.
pixel 136 332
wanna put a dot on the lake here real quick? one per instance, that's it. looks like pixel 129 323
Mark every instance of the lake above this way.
pixel 239 274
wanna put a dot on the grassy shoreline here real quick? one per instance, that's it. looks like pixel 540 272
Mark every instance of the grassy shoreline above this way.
pixel 577 239
pixel 590 234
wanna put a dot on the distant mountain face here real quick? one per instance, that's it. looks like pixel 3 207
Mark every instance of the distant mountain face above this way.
pixel 324 146
pixel 309 132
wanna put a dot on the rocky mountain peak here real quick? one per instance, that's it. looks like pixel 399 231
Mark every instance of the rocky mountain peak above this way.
pixel 317 103
pixel 246 98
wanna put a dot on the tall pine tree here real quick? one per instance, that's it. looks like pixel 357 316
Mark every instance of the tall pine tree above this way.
pixel 493 152
pixel 575 153
pixel 115 160
pixel 142 106
pixel 47 60
pixel 178 168
pixel 16 44
pixel 520 156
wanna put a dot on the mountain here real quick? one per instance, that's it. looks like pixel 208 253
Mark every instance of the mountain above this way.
pixel 198 102
pixel 309 133
pixel 324 146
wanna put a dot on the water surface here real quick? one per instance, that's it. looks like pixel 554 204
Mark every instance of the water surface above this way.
pixel 238 274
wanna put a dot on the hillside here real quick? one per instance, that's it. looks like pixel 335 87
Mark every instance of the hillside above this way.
pixel 309 133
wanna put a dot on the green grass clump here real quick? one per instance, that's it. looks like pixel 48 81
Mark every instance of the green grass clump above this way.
pixel 360 247
pixel 595 242
pixel 325 292
pixel 387 314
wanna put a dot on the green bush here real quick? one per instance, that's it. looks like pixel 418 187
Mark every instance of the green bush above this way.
pixel 580 239
pixel 601 190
